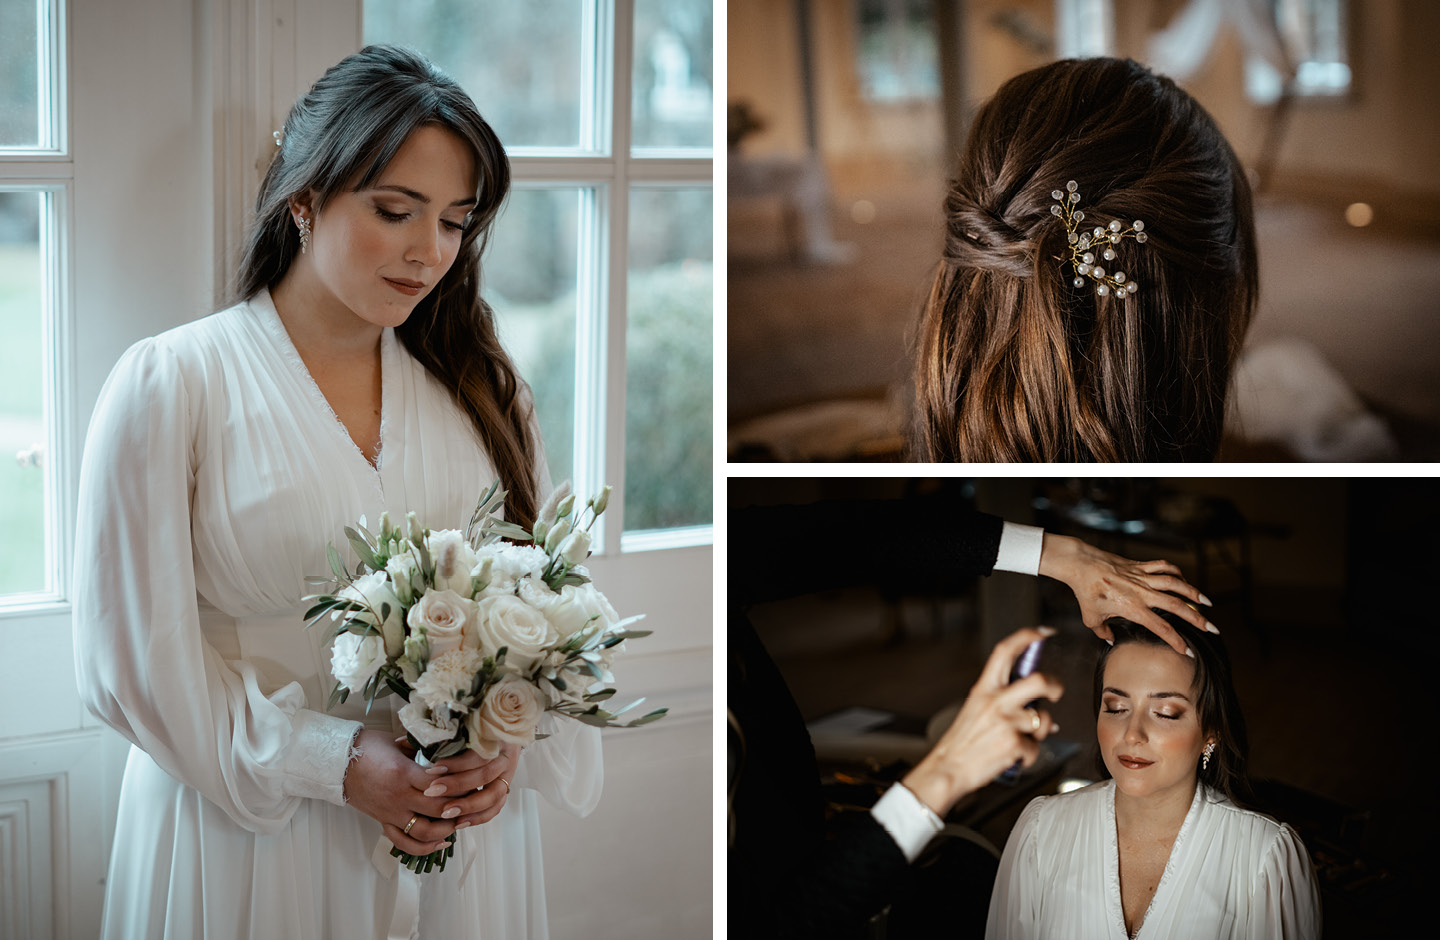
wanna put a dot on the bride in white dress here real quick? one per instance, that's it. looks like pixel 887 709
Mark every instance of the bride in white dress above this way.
pixel 1161 850
pixel 360 373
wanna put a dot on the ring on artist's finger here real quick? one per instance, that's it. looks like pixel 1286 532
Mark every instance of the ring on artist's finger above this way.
pixel 413 821
pixel 1034 720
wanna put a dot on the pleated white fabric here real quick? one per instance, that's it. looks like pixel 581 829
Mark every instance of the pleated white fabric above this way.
pixel 214 474
pixel 1232 873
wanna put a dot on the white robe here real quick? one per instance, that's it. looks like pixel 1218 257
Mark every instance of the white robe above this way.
pixel 214 475
pixel 1232 873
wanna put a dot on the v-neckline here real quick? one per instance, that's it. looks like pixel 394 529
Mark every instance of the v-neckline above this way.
pixel 1113 879
pixel 288 351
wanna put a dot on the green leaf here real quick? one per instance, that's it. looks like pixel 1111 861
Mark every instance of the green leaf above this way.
pixel 510 530
pixel 448 749
pixel 600 696
pixel 337 695
pixel 336 565
pixel 314 613
pixel 656 715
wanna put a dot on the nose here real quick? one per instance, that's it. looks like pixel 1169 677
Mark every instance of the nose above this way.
pixel 1135 730
pixel 425 246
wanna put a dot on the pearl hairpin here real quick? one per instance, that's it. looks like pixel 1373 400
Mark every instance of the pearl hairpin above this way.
pixel 1082 257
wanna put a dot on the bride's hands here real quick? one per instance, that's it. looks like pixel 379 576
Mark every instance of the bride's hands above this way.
pixel 993 730
pixel 386 784
pixel 455 781
pixel 1108 585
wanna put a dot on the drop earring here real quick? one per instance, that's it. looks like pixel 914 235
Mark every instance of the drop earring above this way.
pixel 303 224
pixel 1205 761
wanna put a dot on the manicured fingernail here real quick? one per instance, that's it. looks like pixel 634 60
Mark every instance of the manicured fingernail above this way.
pixel 1188 652
pixel 1211 627
pixel 1054 727
pixel 1206 601
pixel 437 789
pixel 442 845
pixel 1109 642
pixel 437 770
pixel 1047 631
pixel 464 825
pixel 450 813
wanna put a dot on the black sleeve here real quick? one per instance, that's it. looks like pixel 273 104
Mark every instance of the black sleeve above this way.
pixel 884 543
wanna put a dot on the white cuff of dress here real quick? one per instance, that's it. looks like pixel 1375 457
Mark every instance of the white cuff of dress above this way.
pixel 910 823
pixel 319 751
pixel 1020 548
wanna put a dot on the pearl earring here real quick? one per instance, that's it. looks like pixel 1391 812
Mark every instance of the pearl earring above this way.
pixel 304 225
pixel 1205 761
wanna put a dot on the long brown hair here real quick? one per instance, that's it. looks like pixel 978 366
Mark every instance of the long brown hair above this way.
pixel 342 134
pixel 1016 363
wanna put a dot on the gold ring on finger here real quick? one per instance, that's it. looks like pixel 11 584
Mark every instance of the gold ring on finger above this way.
pixel 413 821
pixel 1034 720
pixel 507 785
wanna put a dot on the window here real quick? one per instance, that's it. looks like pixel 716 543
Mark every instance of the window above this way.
pixel 899 60
pixel 35 175
pixel 600 266
pixel 1312 32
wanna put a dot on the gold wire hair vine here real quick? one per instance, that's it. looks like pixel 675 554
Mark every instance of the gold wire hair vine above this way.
pixel 1081 243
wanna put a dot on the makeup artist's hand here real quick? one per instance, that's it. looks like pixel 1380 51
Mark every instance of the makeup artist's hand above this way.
pixel 1108 585
pixel 993 730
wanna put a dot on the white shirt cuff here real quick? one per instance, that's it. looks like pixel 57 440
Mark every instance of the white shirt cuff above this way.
pixel 319 753
pixel 910 823
pixel 1020 548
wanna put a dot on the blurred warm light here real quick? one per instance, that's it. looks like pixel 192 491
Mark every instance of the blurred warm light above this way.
pixel 1074 783
pixel 863 212
pixel 1359 214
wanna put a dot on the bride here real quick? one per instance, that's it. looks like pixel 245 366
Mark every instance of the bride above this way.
pixel 1162 849
pixel 358 373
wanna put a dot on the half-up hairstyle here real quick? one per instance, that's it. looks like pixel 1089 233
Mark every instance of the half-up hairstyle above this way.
pixel 342 135
pixel 1217 706
pixel 1015 363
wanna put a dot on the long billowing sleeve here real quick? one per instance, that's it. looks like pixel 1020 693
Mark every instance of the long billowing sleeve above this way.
pixel 1016 893
pixel 1286 902
pixel 143 664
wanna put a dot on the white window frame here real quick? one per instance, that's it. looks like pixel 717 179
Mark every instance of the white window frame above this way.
pixel 48 168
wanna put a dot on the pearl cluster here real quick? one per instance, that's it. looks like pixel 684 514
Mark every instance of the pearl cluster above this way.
pixel 1083 245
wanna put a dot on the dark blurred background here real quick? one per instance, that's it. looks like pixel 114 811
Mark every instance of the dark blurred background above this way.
pixel 845 118
pixel 1321 590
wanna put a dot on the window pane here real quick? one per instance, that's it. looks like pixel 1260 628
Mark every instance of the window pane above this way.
pixel 22 416
pixel 669 360
pixel 530 279
pixel 19 71
pixel 672 100
pixel 521 62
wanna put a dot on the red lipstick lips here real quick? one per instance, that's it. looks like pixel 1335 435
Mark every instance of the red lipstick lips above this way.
pixel 1132 763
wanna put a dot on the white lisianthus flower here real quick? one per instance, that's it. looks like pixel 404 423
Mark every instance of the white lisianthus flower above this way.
pixel 576 547
pixel 510 712
pixel 448 680
pixel 444 617
pixel 453 558
pixel 404 571
pixel 354 660
pixel 510 565
pixel 508 621
pixel 374 590
pixel 427 726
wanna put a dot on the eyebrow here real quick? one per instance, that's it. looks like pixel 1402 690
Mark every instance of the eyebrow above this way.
pixel 1125 694
pixel 421 197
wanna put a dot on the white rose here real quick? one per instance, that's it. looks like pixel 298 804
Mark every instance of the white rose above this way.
pixel 576 607
pixel 510 712
pixel 510 565
pixel 444 617
pixel 453 558
pixel 404 571
pixel 354 660
pixel 508 621
pixel 374 591
pixel 428 727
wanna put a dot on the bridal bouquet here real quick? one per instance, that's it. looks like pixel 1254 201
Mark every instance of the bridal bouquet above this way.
pixel 478 633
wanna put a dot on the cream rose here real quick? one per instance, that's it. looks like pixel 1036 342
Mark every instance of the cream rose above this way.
pixel 374 591
pixel 354 660
pixel 508 621
pixel 444 617
pixel 510 713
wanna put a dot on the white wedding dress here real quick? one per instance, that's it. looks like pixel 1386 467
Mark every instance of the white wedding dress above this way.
pixel 1232 873
pixel 214 475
